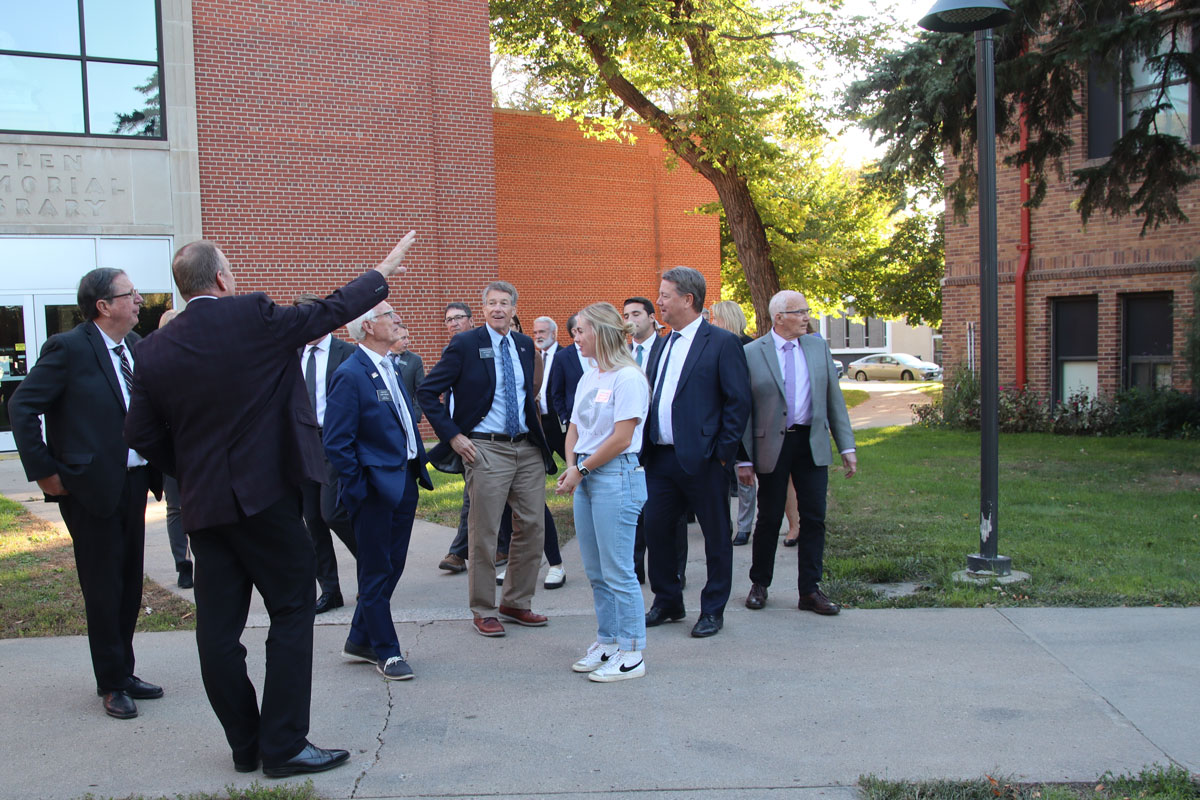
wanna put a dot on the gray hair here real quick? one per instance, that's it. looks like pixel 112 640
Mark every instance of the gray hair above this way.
pixel 501 286
pixel 553 325
pixel 196 266
pixel 780 300
pixel 688 281
pixel 355 326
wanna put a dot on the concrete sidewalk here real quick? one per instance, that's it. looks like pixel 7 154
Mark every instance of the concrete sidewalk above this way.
pixel 781 704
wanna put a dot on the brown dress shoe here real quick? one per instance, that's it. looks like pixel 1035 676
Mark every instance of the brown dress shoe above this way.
pixel 757 597
pixel 523 616
pixel 453 563
pixel 488 626
pixel 819 603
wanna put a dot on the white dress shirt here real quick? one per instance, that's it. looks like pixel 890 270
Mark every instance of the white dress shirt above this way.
pixel 548 361
pixel 670 379
pixel 132 458
pixel 322 351
pixel 646 346
pixel 384 366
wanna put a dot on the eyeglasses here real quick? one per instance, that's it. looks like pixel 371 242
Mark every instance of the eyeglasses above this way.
pixel 388 314
pixel 455 318
pixel 803 311
pixel 130 293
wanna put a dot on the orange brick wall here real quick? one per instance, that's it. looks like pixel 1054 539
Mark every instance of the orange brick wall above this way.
pixel 1107 258
pixel 581 221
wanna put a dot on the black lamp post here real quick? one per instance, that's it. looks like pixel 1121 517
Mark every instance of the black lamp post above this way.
pixel 980 16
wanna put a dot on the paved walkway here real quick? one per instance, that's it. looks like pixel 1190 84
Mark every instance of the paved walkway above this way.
pixel 781 704
pixel 890 404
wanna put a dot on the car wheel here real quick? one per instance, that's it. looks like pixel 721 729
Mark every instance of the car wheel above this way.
pixel 860 376
pixel 906 376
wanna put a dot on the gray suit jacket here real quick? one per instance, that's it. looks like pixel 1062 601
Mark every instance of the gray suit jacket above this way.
pixel 763 438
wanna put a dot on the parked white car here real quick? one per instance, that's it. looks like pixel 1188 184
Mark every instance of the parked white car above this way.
pixel 892 367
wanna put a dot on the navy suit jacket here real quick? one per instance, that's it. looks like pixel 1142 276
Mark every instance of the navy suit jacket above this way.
pixel 473 381
pixel 339 351
pixel 565 372
pixel 364 435
pixel 219 401
pixel 712 399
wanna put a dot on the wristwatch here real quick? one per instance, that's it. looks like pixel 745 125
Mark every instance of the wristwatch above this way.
pixel 583 471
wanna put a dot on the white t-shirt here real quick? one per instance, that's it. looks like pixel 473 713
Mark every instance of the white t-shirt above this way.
pixel 604 398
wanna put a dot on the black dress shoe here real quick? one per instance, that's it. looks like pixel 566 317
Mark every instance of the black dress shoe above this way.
pixel 741 539
pixel 120 705
pixel 138 689
pixel 757 597
pixel 658 615
pixel 310 759
pixel 249 765
pixel 329 601
pixel 186 581
pixel 707 625
pixel 819 603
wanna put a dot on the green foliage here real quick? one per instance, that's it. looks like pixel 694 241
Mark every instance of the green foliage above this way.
pixel 1152 783
pixel 255 791
pixel 921 99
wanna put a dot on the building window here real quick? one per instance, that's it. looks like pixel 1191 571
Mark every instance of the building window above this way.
pixel 1147 334
pixel 87 67
pixel 1074 346
pixel 845 334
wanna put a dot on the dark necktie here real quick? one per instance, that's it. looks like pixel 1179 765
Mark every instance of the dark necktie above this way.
pixel 512 423
pixel 310 377
pixel 126 368
pixel 662 374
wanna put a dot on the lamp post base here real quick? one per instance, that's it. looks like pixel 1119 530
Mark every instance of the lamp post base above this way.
pixel 997 566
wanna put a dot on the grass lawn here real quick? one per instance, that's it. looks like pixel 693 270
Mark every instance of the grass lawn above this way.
pixel 1095 521
pixel 39 589
pixel 443 504
pixel 1155 783
pixel 855 397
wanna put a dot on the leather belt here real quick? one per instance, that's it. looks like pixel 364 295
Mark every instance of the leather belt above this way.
pixel 799 428
pixel 498 437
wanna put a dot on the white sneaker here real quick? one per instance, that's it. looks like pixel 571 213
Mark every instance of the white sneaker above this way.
pixel 555 577
pixel 500 577
pixel 622 666
pixel 597 655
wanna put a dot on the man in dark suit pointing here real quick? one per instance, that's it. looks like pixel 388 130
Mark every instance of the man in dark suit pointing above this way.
pixel 242 439
pixel 81 384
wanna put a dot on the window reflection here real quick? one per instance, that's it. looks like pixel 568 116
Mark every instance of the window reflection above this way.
pixel 40 94
pixel 120 29
pixel 155 305
pixel 123 98
pixel 24 26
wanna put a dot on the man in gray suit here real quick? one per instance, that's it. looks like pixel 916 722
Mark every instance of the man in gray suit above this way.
pixel 409 367
pixel 797 403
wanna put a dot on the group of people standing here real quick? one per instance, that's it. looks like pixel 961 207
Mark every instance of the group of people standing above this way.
pixel 274 450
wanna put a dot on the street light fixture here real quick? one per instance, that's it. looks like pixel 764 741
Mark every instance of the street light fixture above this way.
pixel 980 16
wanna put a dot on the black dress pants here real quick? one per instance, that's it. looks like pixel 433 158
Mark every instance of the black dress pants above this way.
pixel 109 554
pixel 796 465
pixel 271 552
pixel 321 516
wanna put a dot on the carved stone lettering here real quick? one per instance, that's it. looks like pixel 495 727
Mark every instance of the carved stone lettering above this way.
pixel 28 184
pixel 47 209
pixel 94 187
pixel 22 207
pixel 47 161
pixel 69 184
pixel 72 208
pixel 54 185
pixel 95 205
pixel 73 163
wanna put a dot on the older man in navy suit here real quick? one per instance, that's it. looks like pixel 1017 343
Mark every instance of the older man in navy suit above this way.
pixel 242 440
pixel 698 411
pixel 371 440
pixel 495 432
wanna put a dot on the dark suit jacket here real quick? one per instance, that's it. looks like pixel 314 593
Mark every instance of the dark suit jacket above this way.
pixel 565 372
pixel 656 346
pixel 473 380
pixel 339 352
pixel 412 374
pixel 75 385
pixel 712 399
pixel 364 435
pixel 220 400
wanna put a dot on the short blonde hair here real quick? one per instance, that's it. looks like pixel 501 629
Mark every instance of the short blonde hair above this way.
pixel 729 316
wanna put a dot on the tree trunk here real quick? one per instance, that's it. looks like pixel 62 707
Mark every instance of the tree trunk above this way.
pixel 750 239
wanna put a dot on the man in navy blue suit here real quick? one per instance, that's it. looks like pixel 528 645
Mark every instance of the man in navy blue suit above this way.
pixel 496 433
pixel 698 411
pixel 371 440
pixel 565 372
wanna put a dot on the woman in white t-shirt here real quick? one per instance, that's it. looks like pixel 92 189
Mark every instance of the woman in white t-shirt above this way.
pixel 609 484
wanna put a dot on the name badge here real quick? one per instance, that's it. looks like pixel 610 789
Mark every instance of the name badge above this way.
pixel 603 395
pixel 383 395
pixel 486 352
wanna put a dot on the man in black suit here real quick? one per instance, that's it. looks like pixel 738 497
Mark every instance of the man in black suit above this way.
pixel 319 359
pixel 698 410
pixel 494 430
pixel 545 338
pixel 458 319
pixel 408 366
pixel 565 373
pixel 371 438
pixel 241 437
pixel 81 383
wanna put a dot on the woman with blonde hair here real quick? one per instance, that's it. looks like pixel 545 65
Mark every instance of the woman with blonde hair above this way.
pixel 609 484
pixel 728 315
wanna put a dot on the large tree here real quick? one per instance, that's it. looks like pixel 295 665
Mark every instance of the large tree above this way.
pixel 921 99
pixel 709 76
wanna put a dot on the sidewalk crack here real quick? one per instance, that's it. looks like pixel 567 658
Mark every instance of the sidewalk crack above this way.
pixel 387 720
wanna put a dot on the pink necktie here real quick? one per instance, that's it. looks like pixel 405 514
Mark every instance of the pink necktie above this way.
pixel 789 382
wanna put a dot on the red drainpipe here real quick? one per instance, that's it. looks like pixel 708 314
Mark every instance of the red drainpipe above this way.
pixel 1025 249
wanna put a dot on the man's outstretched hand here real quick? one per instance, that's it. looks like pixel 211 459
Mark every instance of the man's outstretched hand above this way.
pixel 394 261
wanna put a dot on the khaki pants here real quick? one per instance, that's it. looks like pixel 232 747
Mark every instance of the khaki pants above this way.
pixel 504 472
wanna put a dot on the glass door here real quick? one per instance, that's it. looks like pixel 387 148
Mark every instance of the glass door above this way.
pixel 17 353
pixel 54 313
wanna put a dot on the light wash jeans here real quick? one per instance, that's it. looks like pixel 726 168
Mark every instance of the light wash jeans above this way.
pixel 607 504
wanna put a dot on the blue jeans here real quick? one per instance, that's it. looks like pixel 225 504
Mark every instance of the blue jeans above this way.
pixel 607 504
